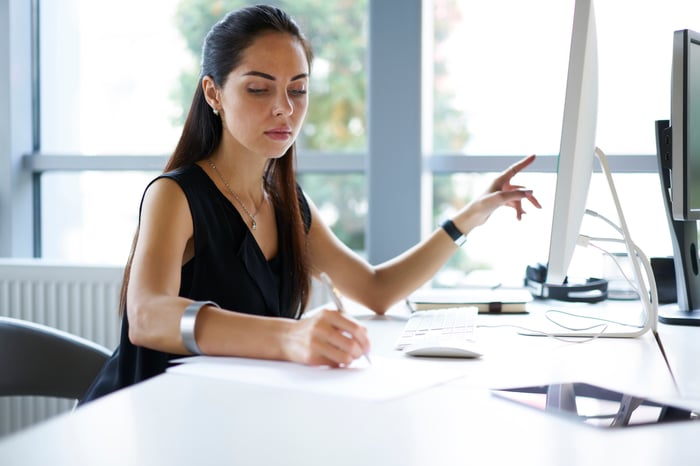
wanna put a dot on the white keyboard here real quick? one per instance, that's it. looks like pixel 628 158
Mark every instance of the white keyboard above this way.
pixel 451 323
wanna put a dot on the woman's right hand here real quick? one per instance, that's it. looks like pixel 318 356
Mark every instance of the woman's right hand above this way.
pixel 326 338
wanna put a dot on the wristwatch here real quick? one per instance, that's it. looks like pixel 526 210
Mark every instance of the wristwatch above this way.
pixel 451 229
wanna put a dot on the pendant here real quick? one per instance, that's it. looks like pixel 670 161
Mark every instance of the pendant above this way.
pixel 254 225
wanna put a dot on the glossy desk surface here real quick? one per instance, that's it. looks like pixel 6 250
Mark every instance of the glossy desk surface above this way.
pixel 184 420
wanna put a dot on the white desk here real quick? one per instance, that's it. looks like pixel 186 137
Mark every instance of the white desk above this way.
pixel 682 345
pixel 183 420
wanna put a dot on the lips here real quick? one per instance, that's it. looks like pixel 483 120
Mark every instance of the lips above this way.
pixel 279 134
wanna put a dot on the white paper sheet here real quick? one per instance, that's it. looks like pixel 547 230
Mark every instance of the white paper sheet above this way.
pixel 385 378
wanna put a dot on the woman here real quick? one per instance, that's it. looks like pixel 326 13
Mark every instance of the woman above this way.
pixel 228 241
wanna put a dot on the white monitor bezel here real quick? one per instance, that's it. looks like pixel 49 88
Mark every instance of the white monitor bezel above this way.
pixel 577 146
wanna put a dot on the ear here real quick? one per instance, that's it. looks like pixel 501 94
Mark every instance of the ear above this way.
pixel 211 93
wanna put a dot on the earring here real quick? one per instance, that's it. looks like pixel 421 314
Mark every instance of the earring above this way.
pixel 216 112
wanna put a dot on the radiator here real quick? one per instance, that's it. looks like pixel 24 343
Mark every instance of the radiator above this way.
pixel 80 299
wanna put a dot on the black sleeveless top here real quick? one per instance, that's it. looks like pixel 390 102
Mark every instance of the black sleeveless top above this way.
pixel 228 267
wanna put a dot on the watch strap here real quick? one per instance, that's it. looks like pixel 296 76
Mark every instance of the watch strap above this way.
pixel 451 229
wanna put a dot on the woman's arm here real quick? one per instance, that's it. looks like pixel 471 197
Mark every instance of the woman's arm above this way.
pixel 154 308
pixel 381 286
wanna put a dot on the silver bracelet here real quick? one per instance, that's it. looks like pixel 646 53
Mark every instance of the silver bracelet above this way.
pixel 187 322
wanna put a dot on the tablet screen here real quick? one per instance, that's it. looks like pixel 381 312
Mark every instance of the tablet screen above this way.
pixel 596 406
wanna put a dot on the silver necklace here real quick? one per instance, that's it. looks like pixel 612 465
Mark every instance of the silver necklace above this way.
pixel 254 224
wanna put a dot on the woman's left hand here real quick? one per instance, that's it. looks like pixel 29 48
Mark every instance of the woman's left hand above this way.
pixel 503 185
pixel 501 192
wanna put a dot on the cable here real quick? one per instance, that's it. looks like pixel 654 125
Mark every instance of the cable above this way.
pixel 649 299
pixel 639 256
pixel 616 261
pixel 651 303
pixel 551 335
pixel 589 243
pixel 599 319
pixel 642 258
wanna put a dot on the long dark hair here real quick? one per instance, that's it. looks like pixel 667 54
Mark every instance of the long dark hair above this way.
pixel 221 53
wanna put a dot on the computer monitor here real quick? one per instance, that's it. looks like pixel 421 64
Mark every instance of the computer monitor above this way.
pixel 577 145
pixel 574 167
pixel 678 150
pixel 685 120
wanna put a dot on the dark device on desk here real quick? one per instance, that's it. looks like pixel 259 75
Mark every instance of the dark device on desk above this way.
pixel 665 276
pixel 596 406
pixel 592 291
pixel 678 151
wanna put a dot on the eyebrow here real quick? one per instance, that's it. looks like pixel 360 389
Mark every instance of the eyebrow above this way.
pixel 272 78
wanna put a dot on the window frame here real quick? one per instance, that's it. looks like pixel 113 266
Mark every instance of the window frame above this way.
pixel 397 133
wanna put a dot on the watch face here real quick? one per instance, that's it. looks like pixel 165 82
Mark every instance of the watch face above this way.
pixel 597 406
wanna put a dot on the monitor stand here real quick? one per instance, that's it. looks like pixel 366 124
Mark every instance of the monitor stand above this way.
pixel 684 236
pixel 648 296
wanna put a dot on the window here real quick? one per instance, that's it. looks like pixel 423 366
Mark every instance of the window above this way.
pixel 123 86
pixel 115 80
pixel 500 78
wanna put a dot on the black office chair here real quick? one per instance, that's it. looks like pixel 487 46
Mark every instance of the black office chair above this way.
pixel 36 360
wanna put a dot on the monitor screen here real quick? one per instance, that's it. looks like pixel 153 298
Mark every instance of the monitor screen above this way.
pixel 577 145
pixel 678 155
pixel 685 121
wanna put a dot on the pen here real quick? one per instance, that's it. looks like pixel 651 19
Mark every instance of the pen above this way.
pixel 336 299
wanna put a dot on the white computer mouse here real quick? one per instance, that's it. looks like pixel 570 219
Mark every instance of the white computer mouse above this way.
pixel 445 349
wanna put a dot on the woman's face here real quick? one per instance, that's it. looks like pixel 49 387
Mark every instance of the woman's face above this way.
pixel 264 100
